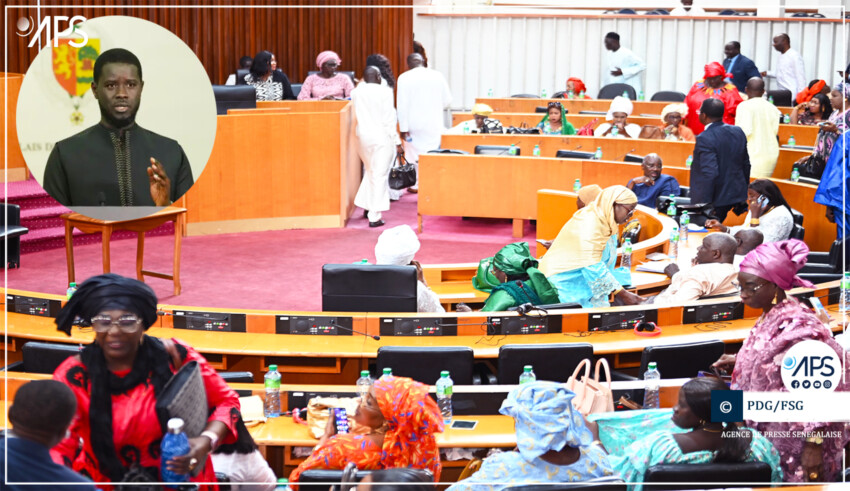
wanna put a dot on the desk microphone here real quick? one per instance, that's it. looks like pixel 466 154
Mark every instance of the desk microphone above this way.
pixel 376 338
pixel 578 147
pixel 101 199
pixel 508 149
pixel 624 155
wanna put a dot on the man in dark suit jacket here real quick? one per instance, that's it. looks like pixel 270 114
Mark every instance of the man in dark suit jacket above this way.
pixel 741 67
pixel 720 172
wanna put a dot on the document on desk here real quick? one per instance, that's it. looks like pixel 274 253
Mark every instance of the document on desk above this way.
pixel 252 410
pixel 653 266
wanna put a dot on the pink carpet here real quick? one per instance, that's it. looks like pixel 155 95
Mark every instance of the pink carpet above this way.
pixel 278 270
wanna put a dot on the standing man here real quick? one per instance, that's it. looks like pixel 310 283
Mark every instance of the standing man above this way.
pixel 40 415
pixel 423 94
pixel 379 141
pixel 116 162
pixel 720 173
pixel 624 67
pixel 687 9
pixel 653 183
pixel 760 121
pixel 739 66
pixel 790 72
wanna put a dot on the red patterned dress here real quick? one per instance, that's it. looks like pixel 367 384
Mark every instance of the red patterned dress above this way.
pixel 700 92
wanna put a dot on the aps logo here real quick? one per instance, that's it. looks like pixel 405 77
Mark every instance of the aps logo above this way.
pixel 811 366
pixel 52 27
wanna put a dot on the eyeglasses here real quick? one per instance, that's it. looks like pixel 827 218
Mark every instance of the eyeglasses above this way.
pixel 751 291
pixel 629 211
pixel 554 104
pixel 127 323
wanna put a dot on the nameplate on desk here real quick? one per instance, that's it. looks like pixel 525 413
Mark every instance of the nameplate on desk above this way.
pixel 209 321
pixel 318 325
pixel 523 324
pixel 696 314
pixel 418 326
pixel 617 321
pixel 42 307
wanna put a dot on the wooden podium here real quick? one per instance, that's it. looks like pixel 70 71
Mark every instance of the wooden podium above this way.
pixel 284 165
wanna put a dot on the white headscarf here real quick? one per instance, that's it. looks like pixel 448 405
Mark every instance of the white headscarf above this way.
pixel 396 246
pixel 620 104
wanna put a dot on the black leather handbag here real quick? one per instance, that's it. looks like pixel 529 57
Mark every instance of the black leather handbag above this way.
pixel 403 174
pixel 812 168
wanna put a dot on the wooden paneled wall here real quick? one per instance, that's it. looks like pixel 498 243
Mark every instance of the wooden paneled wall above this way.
pixel 220 36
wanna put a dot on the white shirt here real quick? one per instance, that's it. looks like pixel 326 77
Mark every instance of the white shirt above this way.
pixel 629 64
pixel 423 94
pixel 376 118
pixel 790 72
pixel 775 225
pixel 680 11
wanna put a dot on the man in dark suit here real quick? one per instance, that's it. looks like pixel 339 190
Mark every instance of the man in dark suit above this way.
pixel 741 67
pixel 720 172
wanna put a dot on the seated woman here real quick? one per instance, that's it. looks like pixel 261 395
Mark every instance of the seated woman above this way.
pixel 814 164
pixel 816 110
pixel 815 87
pixel 585 195
pixel 518 280
pixel 398 246
pixel 619 127
pixel 632 451
pixel 672 128
pixel 327 84
pixel 555 122
pixel 576 89
pixel 553 443
pixel 403 420
pixel 580 263
pixel 271 84
pixel 768 212
pixel 481 122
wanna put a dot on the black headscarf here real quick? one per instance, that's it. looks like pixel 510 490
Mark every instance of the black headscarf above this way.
pixel 151 366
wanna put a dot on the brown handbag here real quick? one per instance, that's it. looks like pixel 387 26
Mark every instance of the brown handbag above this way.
pixel 592 396
pixel 318 415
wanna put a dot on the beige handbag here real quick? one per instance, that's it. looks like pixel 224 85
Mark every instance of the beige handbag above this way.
pixel 592 396
pixel 318 414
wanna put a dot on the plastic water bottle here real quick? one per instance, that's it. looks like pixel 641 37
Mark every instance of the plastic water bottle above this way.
pixel 844 302
pixel 72 288
pixel 598 154
pixel 543 94
pixel 689 161
pixel 527 376
pixel 445 387
pixel 671 208
pixel 795 174
pixel 652 387
pixel 364 384
pixel 626 261
pixel 282 484
pixel 581 95
pixel 571 94
pixel 175 443
pixel 466 130
pixel 791 141
pixel 684 221
pixel 387 373
pixel 512 150
pixel 770 99
pixel 674 244
pixel 489 92
pixel 271 406
pixel 786 119
pixel 626 94
pixel 577 185
pixel 640 96
pixel 615 131
pixel 536 151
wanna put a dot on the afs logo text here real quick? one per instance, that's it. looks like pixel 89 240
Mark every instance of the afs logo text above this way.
pixel 52 27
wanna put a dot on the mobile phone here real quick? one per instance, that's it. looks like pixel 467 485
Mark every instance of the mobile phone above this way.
pixel 762 200
pixel 815 303
pixel 340 419
pixel 463 425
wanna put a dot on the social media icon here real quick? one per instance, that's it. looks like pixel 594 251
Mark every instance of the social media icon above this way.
pixel 795 384
pixel 806 384
pixel 816 384
pixel 827 384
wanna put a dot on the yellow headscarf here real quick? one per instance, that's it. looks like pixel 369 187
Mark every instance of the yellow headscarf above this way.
pixel 482 109
pixel 582 240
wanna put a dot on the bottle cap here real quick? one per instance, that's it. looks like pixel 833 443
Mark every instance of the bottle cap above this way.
pixel 628 240
pixel 526 368
pixel 272 368
pixel 364 373
pixel 444 373
pixel 73 284
pixel 388 371
pixel 283 480
pixel 175 424
pixel 652 365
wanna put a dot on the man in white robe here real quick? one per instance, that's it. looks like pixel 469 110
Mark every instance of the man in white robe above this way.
pixel 624 67
pixel 423 94
pixel 379 141
pixel 790 72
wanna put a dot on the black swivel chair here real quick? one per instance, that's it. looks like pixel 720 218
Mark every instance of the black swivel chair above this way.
pixel 41 357
pixel 559 94
pixel 312 479
pixel 541 109
pixel 782 97
pixel 424 363
pixel 240 76
pixel 746 473
pixel 668 96
pixel 368 288
pixel 296 89
pixel 573 154
pixel 678 360
pixel 526 96
pixel 798 217
pixel 234 97
pixel 237 377
pixel 638 159
pixel 797 232
pixel 728 12
pixel 685 191
pixel 826 266
pixel 658 12
pixel 611 91
pixel 12 232
pixel 553 362
pixel 449 150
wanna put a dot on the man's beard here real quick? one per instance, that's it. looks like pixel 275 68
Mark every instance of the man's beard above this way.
pixel 118 124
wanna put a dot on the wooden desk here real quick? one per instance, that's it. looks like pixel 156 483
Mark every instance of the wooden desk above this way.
pixel 140 226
